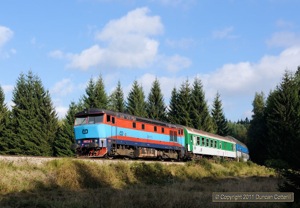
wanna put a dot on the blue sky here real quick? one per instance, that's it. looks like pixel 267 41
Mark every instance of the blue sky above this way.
pixel 236 47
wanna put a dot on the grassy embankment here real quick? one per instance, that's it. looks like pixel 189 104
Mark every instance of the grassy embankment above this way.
pixel 73 183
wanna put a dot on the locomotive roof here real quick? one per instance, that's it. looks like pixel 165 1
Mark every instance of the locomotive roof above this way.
pixel 211 135
pixel 96 111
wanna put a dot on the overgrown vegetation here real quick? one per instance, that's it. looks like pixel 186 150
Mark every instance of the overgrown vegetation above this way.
pixel 76 183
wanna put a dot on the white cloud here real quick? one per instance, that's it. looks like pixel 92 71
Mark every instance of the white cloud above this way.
pixel 7 88
pixel 225 33
pixel 136 22
pixel 61 111
pixel 128 43
pixel 87 58
pixel 284 39
pixel 62 88
pixel 5 35
pixel 247 78
pixel 175 63
pixel 57 54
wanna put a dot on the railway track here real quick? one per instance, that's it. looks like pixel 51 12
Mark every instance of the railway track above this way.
pixel 39 160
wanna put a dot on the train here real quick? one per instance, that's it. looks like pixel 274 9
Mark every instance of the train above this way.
pixel 109 134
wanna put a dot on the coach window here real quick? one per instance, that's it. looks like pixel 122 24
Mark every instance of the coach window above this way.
pixel 143 126
pixel 198 140
pixel 207 142
pixel 155 128
pixel 211 143
pixel 220 145
pixel 215 144
pixel 203 142
pixel 162 130
pixel 133 124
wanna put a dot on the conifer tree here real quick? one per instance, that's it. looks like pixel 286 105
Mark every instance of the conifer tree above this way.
pixel 257 131
pixel 4 124
pixel 136 104
pixel 283 138
pixel 156 108
pixel 173 112
pixel 101 98
pixel 218 117
pixel 65 137
pixel 116 100
pixel 283 122
pixel 34 120
pixel 199 112
pixel 184 104
pixel 89 100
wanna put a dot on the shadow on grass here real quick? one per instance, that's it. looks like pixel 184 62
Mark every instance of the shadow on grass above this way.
pixel 97 193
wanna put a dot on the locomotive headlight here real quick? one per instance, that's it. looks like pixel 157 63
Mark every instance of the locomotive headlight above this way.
pixel 78 142
pixel 96 140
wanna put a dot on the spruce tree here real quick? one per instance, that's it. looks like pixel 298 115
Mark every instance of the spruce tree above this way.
pixel 89 100
pixel 199 112
pixel 101 98
pixel 116 100
pixel 136 104
pixel 156 108
pixel 34 120
pixel 184 104
pixel 283 138
pixel 257 143
pixel 4 124
pixel 219 117
pixel 65 137
pixel 283 122
pixel 173 112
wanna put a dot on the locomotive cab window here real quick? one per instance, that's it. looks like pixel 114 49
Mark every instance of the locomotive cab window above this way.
pixel 95 119
pixel 80 121
pixel 107 118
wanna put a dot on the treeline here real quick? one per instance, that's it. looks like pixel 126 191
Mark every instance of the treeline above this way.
pixel 274 131
pixel 32 127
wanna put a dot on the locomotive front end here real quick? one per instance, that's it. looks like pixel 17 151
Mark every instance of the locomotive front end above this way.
pixel 90 134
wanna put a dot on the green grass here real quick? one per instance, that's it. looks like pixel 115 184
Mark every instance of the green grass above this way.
pixel 76 183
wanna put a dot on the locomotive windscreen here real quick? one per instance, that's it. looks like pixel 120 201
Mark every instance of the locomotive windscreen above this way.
pixel 88 120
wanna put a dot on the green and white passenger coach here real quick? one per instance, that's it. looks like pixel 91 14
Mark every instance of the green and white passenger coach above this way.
pixel 203 144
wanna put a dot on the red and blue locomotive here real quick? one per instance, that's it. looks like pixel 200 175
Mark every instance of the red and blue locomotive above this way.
pixel 103 133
